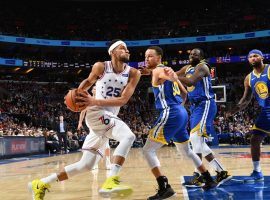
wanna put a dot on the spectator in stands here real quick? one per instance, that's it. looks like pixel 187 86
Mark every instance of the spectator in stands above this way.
pixel 52 142
pixel 61 129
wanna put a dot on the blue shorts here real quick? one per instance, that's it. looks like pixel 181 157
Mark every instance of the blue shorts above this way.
pixel 171 125
pixel 202 117
pixel 262 124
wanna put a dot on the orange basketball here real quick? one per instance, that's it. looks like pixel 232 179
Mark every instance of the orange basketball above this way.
pixel 70 101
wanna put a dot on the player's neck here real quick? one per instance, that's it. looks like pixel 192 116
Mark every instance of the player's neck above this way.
pixel 118 66
pixel 259 69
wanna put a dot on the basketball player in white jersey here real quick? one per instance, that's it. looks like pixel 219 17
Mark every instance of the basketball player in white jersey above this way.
pixel 115 84
pixel 107 153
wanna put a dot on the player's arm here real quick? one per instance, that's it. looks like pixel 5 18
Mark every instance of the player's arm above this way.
pixel 183 91
pixel 162 74
pixel 244 101
pixel 87 100
pixel 182 71
pixel 145 71
pixel 201 71
pixel 97 71
pixel 167 73
pixel 82 115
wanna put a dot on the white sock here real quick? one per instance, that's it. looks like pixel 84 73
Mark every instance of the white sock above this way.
pixel 50 179
pixel 115 169
pixel 257 166
pixel 216 165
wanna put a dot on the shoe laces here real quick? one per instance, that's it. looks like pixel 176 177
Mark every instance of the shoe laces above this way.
pixel 116 181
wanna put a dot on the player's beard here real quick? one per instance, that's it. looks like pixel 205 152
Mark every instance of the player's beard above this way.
pixel 124 59
pixel 194 62
pixel 256 64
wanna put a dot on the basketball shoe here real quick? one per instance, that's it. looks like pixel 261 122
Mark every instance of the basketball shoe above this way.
pixel 164 191
pixel 223 177
pixel 196 181
pixel 112 187
pixel 38 189
pixel 254 177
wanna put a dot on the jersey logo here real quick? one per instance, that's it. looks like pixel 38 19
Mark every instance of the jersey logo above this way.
pixel 191 88
pixel 261 89
pixel 104 120
pixel 125 75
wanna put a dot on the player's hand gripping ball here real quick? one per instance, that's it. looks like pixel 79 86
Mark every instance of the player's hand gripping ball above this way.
pixel 71 101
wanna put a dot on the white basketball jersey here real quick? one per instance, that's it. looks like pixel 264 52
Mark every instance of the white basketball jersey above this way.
pixel 111 85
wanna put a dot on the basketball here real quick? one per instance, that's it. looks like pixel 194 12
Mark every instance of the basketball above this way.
pixel 70 101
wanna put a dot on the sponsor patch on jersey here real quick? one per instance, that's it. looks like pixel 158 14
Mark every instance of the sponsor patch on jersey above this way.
pixel 125 75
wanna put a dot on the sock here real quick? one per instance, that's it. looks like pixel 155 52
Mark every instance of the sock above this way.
pixel 162 182
pixel 115 169
pixel 216 165
pixel 257 166
pixel 49 179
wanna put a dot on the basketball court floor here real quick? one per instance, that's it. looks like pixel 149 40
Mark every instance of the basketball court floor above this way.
pixel 16 173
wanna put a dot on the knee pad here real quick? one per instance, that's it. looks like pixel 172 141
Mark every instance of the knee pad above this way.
pixel 149 152
pixel 186 151
pixel 206 150
pixel 196 142
pixel 124 145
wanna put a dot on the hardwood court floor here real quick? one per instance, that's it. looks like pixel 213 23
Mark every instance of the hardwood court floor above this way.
pixel 15 176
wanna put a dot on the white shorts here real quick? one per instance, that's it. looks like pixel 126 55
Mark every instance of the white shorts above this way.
pixel 103 125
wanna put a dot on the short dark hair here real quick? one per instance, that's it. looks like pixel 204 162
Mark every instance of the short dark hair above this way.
pixel 112 42
pixel 157 49
pixel 201 52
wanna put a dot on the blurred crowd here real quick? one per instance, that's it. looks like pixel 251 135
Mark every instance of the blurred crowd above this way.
pixel 92 20
pixel 33 109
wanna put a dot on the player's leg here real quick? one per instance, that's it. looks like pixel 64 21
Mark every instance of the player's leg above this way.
pixel 201 125
pixel 181 139
pixel 255 150
pixel 122 133
pixel 149 152
pixel 260 130
pixel 156 139
pixel 107 156
pixel 93 146
pixel 204 180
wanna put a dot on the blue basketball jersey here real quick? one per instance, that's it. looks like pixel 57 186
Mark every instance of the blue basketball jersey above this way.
pixel 167 94
pixel 260 84
pixel 203 88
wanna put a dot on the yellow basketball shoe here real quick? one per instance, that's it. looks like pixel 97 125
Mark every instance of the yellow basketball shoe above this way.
pixel 38 189
pixel 112 188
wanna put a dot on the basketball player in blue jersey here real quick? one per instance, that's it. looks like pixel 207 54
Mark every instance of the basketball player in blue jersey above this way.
pixel 115 84
pixel 196 76
pixel 256 83
pixel 171 124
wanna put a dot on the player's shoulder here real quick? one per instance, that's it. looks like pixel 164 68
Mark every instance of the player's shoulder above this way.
pixel 99 64
pixel 98 67
pixel 134 72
